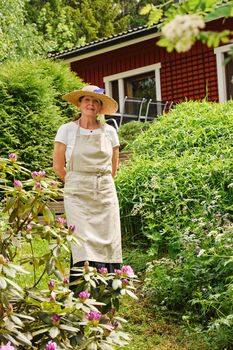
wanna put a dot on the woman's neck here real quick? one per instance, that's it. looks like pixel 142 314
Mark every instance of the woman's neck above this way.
pixel 88 123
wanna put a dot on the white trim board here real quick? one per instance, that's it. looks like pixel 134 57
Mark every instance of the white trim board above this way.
pixel 221 72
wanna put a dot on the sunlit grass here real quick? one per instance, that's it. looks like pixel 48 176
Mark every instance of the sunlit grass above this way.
pixel 39 248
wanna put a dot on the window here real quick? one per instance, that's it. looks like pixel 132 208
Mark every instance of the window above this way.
pixel 225 73
pixel 229 77
pixel 141 82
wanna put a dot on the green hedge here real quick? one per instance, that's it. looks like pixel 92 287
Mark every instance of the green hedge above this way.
pixel 181 169
pixel 31 108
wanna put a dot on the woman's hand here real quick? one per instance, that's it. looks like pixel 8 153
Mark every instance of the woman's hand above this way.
pixel 59 159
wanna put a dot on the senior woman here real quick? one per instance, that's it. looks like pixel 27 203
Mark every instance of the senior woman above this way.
pixel 86 155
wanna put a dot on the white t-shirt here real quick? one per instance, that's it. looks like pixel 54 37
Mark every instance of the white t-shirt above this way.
pixel 66 134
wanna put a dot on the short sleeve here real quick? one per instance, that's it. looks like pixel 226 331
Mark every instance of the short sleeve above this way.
pixel 113 136
pixel 61 135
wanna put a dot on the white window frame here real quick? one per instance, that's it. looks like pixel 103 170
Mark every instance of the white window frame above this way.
pixel 221 71
pixel 130 73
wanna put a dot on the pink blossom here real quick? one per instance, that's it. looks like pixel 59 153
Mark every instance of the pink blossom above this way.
pixel 103 270
pixel 55 319
pixel 127 271
pixel 61 222
pixel 18 185
pixel 118 272
pixel 12 157
pixel 94 316
pixel 38 175
pixel 7 347
pixel 66 280
pixel 51 284
pixel 72 228
pixel 29 227
pixel 51 346
pixel 38 186
pixel 53 183
pixel 84 295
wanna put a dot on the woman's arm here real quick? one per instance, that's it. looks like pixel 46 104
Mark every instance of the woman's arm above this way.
pixel 115 160
pixel 59 159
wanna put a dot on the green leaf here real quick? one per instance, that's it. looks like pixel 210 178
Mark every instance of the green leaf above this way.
pixel 47 215
pixel 145 10
pixel 155 16
pixel 221 12
pixel 3 283
pixel 54 331
pixel 69 328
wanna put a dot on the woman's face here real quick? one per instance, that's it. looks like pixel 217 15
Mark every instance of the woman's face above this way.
pixel 90 105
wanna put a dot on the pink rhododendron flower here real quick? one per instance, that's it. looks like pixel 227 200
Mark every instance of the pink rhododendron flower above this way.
pixel 38 175
pixel 103 270
pixel 53 183
pixel 118 272
pixel 66 280
pixel 18 185
pixel 37 186
pixel 84 295
pixel 12 157
pixel 51 346
pixel 55 319
pixel 51 284
pixel 61 222
pixel 127 271
pixel 7 347
pixel 94 316
pixel 72 228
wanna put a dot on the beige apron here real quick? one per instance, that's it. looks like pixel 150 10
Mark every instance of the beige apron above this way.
pixel 90 199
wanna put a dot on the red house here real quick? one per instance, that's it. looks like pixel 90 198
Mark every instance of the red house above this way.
pixel 131 64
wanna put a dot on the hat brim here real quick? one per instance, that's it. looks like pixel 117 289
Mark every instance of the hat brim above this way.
pixel 109 105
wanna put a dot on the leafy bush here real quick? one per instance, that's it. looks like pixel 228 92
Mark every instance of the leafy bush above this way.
pixel 31 317
pixel 129 132
pixel 176 199
pixel 31 108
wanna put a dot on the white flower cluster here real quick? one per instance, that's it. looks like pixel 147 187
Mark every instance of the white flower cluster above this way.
pixel 182 30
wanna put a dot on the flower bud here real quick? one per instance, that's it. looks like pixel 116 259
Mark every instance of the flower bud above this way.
pixel 12 157
pixel 18 185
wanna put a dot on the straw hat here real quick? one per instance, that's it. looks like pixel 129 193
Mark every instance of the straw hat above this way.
pixel 109 105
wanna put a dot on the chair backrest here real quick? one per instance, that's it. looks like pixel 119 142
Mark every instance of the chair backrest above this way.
pixel 133 105
pixel 156 108
pixel 132 108
pixel 112 122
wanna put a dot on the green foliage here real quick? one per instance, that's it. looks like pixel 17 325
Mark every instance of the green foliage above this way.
pixel 30 317
pixel 32 108
pixel 128 133
pixel 18 39
pixel 182 23
pixel 176 198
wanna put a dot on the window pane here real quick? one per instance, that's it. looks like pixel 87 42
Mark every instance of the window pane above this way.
pixel 142 85
pixel 115 91
pixel 229 77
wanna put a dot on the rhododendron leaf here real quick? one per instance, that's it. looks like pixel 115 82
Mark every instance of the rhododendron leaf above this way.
pixel 3 283
pixel 69 328
pixel 54 331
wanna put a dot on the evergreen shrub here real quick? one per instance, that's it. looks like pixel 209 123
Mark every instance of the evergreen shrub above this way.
pixel 31 108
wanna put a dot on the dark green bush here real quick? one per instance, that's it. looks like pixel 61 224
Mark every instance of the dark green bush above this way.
pixel 31 108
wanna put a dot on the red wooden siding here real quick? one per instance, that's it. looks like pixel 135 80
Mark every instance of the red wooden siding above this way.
pixel 190 75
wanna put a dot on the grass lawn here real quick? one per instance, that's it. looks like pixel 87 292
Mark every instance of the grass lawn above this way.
pixel 150 332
